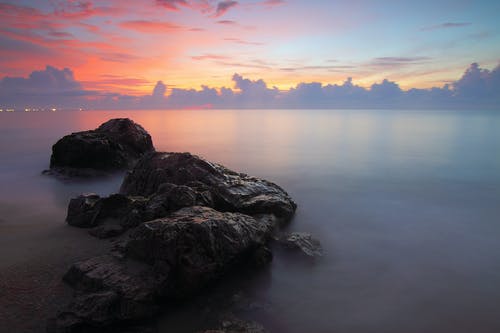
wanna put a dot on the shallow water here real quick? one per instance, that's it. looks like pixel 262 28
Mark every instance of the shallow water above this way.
pixel 405 203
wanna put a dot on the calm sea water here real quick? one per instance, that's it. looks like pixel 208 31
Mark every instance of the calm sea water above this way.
pixel 405 203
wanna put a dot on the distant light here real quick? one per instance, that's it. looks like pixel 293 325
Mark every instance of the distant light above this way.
pixel 10 110
pixel 1 110
pixel 27 110
pixel 53 109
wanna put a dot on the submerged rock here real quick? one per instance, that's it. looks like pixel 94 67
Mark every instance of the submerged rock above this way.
pixel 229 190
pixel 166 259
pixel 115 145
pixel 303 242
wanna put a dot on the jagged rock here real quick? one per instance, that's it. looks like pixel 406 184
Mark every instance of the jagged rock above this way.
pixel 116 213
pixel 115 145
pixel 228 190
pixel 304 242
pixel 166 259
pixel 90 210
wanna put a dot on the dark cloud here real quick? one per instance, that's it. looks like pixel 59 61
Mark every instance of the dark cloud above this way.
pixel 398 61
pixel 43 87
pixel 227 22
pixel 446 25
pixel 223 7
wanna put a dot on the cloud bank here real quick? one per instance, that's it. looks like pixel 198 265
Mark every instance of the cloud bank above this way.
pixel 478 88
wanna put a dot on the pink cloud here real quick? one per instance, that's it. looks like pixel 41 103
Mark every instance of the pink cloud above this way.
pixel 172 4
pixel 150 26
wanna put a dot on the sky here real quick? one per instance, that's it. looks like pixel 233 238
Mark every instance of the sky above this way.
pixel 164 52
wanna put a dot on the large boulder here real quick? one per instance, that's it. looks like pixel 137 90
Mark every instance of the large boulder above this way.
pixel 115 145
pixel 167 259
pixel 229 190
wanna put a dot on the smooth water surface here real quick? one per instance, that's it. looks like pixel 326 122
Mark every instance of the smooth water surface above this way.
pixel 405 203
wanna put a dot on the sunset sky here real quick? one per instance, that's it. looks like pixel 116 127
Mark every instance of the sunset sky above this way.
pixel 127 46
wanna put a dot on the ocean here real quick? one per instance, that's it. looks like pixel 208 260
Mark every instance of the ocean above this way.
pixel 405 203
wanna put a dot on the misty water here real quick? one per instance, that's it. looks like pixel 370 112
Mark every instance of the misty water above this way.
pixel 405 203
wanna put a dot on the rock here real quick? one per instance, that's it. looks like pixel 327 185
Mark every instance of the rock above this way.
pixel 167 259
pixel 196 245
pixel 107 231
pixel 118 212
pixel 228 190
pixel 192 221
pixel 83 210
pixel 304 242
pixel 115 145
pixel 229 323
pixel 109 291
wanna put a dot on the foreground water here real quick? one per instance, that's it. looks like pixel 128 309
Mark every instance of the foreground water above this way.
pixel 406 204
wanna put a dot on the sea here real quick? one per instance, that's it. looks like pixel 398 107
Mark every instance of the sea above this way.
pixel 406 204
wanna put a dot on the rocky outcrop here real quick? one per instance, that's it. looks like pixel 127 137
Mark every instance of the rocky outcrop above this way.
pixel 115 145
pixel 166 259
pixel 228 190
pixel 182 223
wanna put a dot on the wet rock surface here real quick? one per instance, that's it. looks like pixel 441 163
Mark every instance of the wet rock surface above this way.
pixel 167 259
pixel 179 224
pixel 228 190
pixel 115 145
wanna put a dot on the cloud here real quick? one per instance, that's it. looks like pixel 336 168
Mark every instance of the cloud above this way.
pixel 397 61
pixel 159 90
pixel 272 3
pixel 446 25
pixel 223 7
pixel 172 4
pixel 477 88
pixel 150 26
pixel 242 42
pixel 43 87
pixel 227 22
pixel 478 84
pixel 118 57
pixel 209 56
pixel 81 9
